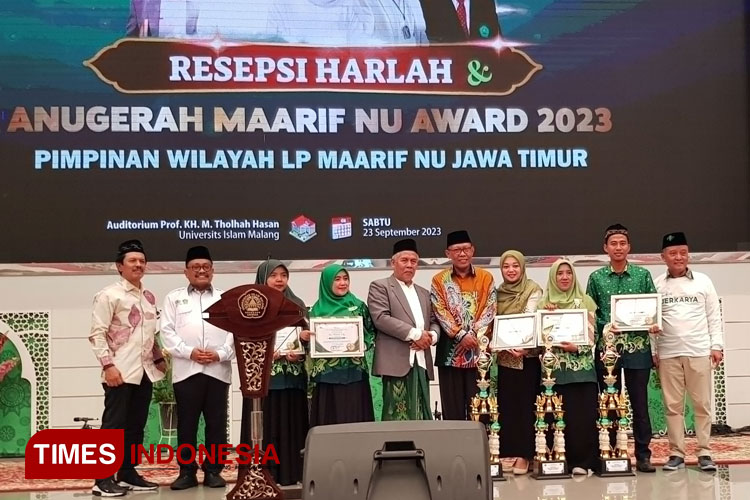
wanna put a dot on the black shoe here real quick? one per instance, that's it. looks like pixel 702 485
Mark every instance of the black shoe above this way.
pixel 674 463
pixel 131 480
pixel 645 466
pixel 705 463
pixel 213 480
pixel 108 488
pixel 185 481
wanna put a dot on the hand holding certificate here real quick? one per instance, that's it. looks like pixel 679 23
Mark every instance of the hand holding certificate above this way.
pixel 337 337
pixel 564 325
pixel 288 342
pixel 514 331
pixel 636 312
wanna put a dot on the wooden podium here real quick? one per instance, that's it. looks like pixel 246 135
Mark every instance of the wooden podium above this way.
pixel 254 313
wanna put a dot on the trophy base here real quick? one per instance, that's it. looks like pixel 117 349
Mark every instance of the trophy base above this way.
pixel 550 469
pixel 255 483
pixel 615 467
pixel 496 472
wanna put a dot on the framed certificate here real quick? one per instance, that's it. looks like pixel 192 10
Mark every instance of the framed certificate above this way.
pixel 564 325
pixel 288 342
pixel 514 331
pixel 337 337
pixel 636 312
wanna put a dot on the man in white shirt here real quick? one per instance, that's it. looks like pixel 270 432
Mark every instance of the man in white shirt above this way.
pixel 201 366
pixel 394 22
pixel 689 346
pixel 123 326
pixel 406 329
pixel 318 22
pixel 345 23
pixel 235 21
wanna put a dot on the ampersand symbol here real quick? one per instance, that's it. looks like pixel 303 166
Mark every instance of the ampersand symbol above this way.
pixel 477 77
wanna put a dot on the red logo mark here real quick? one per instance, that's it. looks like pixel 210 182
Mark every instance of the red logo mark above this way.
pixel 74 453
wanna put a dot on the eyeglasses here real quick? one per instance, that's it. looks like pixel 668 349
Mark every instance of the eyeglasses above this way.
pixel 461 250
pixel 196 268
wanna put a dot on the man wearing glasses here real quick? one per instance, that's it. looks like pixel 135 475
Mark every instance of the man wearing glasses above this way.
pixel 463 298
pixel 201 366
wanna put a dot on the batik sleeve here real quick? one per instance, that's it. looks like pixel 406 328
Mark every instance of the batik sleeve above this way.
pixel 439 306
pixel 487 315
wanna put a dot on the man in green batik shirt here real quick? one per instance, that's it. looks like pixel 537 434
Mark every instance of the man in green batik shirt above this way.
pixel 620 278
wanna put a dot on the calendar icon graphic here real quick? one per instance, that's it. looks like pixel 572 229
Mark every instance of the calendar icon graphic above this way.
pixel 341 227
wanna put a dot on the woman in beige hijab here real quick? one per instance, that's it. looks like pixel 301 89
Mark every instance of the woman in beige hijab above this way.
pixel 519 370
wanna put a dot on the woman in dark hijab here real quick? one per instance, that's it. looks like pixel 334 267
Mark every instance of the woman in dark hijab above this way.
pixel 285 409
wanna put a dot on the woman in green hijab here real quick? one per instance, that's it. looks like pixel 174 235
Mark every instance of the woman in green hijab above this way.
pixel 575 379
pixel 285 409
pixel 341 392
pixel 519 370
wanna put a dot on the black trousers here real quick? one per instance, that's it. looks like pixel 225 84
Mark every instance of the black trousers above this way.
pixel 285 426
pixel 341 403
pixel 457 387
pixel 636 382
pixel 581 435
pixel 196 395
pixel 126 407
pixel 517 391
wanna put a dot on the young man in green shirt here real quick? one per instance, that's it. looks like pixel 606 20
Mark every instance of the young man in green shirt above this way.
pixel 619 278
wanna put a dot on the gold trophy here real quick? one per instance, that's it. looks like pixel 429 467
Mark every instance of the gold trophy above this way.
pixel 484 406
pixel 549 463
pixel 613 462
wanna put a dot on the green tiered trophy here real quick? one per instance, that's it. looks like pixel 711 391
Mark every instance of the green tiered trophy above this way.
pixel 485 405
pixel 613 462
pixel 549 464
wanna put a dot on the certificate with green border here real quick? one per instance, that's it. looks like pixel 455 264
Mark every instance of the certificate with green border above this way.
pixel 636 312
pixel 564 325
pixel 337 337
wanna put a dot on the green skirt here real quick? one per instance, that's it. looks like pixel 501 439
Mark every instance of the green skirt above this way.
pixel 407 398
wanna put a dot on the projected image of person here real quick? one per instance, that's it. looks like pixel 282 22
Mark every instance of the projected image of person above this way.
pixel 452 21
pixel 234 20
pixel 319 22
pixel 341 391
pixel 575 379
pixel 394 22
pixel 285 410
pixel 163 19
pixel 310 22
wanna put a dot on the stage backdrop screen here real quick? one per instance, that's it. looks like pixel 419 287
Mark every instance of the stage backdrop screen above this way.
pixel 310 129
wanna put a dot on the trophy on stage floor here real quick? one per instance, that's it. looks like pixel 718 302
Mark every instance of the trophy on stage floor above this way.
pixel 549 463
pixel 254 313
pixel 613 462
pixel 484 406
